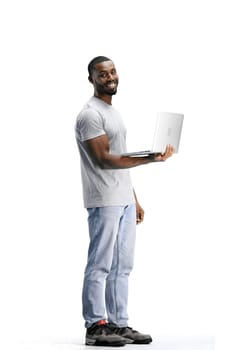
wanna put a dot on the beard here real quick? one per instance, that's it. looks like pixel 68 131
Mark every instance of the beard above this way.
pixel 104 90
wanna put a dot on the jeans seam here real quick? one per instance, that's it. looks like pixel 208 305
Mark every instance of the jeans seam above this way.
pixel 95 251
pixel 115 291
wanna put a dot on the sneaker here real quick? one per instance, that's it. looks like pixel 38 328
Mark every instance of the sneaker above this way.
pixel 99 334
pixel 131 335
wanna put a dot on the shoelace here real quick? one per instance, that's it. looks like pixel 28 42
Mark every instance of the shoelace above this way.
pixel 123 330
pixel 101 329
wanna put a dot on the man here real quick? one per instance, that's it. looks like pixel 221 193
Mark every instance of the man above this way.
pixel 113 211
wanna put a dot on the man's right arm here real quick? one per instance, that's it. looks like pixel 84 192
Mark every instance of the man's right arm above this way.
pixel 98 149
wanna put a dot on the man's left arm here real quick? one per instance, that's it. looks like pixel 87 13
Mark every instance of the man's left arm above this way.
pixel 139 211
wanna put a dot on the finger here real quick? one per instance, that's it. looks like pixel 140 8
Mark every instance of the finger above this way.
pixel 171 149
pixel 142 216
pixel 168 152
pixel 139 218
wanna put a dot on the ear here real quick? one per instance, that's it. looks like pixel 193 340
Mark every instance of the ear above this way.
pixel 90 79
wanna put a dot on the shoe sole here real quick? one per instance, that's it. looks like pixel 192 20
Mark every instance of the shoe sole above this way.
pixel 128 341
pixel 95 342
pixel 144 341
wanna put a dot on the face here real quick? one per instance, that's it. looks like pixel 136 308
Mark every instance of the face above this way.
pixel 105 78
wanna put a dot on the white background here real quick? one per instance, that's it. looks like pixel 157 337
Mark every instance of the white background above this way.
pixel 171 56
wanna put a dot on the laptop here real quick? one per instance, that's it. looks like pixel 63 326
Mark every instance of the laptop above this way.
pixel 167 131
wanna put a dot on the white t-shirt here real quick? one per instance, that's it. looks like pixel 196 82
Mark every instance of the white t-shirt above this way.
pixel 102 187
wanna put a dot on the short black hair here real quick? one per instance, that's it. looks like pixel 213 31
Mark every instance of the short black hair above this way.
pixel 94 61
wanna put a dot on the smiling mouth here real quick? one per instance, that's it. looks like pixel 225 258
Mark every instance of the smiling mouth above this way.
pixel 111 85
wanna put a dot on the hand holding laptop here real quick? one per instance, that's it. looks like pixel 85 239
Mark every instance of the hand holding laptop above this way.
pixel 160 157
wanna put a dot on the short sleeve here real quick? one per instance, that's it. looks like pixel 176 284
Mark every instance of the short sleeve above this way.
pixel 89 125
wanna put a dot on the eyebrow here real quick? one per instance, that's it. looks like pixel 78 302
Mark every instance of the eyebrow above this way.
pixel 106 70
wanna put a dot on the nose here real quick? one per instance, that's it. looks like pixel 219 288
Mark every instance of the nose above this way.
pixel 110 76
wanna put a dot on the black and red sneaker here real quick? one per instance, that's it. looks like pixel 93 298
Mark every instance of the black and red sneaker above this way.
pixel 100 334
pixel 131 336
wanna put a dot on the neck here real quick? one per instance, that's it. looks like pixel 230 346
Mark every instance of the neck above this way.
pixel 106 98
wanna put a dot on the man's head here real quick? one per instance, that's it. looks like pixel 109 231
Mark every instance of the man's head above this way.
pixel 103 76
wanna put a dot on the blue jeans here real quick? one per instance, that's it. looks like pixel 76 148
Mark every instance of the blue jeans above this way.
pixel 112 233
